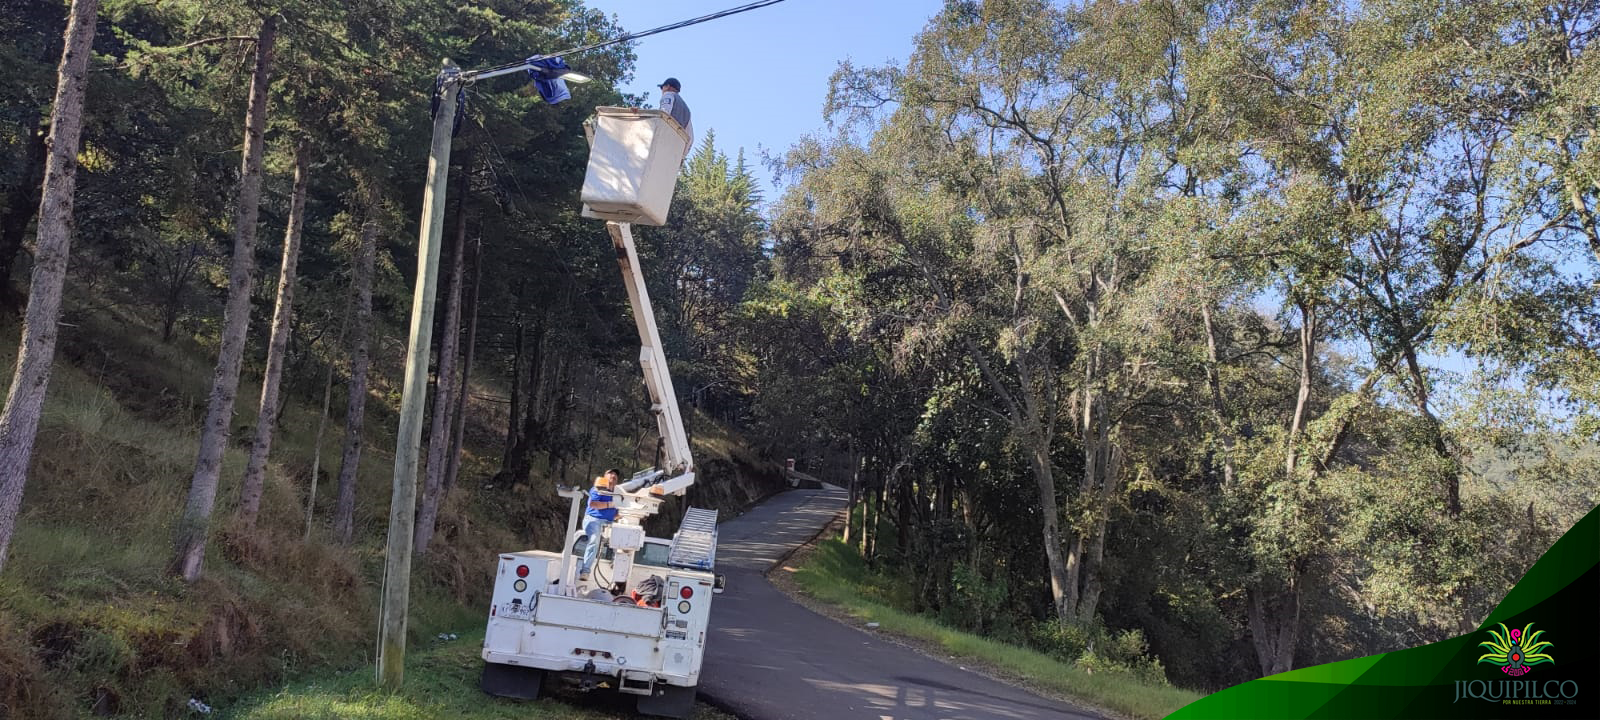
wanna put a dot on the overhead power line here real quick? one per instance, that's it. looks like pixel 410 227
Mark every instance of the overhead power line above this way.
pixel 515 66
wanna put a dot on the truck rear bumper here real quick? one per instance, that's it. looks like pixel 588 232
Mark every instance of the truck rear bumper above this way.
pixel 625 677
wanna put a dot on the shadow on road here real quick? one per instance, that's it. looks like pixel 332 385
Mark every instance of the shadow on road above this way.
pixel 770 658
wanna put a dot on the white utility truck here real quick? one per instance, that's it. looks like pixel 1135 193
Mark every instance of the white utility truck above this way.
pixel 544 624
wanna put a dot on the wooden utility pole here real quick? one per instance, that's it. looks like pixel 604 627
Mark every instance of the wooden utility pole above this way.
pixel 403 503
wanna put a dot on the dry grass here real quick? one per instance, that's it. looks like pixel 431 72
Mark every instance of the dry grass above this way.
pixel 91 622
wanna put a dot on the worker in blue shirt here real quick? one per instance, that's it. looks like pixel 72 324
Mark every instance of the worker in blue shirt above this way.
pixel 602 511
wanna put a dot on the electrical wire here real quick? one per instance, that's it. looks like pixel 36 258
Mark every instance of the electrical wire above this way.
pixel 625 38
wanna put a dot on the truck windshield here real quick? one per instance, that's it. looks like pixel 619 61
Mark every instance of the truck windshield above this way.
pixel 652 554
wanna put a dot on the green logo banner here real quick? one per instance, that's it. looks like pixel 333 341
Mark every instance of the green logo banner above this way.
pixel 1536 656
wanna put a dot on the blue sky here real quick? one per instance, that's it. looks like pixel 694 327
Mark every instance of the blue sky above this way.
pixel 759 78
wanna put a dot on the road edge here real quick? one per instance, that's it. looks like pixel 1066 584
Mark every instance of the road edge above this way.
pixel 700 693
pixel 917 645
pixel 809 542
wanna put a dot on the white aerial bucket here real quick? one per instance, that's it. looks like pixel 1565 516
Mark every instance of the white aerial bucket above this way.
pixel 634 157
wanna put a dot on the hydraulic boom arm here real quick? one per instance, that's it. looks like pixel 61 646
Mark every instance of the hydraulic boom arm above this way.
pixel 676 470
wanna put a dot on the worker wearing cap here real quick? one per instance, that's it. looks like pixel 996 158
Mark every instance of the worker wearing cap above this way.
pixel 673 104
pixel 602 512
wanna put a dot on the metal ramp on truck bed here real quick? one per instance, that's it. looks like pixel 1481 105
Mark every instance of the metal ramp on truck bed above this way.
pixel 695 545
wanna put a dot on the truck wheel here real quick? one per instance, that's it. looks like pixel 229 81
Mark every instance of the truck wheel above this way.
pixel 668 701
pixel 511 681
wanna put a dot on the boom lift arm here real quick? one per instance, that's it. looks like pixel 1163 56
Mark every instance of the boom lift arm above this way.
pixel 641 496
pixel 677 466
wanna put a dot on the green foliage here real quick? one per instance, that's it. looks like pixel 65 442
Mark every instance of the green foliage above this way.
pixel 1207 264
pixel 1192 274
pixel 977 602
pixel 1131 683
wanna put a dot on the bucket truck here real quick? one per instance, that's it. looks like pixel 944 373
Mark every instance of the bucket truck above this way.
pixel 544 624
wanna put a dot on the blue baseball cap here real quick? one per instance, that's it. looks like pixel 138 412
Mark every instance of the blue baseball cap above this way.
pixel 670 82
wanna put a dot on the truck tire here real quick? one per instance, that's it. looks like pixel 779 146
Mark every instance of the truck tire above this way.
pixel 668 701
pixel 511 681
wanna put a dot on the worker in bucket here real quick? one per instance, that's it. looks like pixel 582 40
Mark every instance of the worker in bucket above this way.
pixel 602 512
pixel 674 105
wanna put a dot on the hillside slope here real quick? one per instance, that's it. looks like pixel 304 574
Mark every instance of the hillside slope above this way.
pixel 91 623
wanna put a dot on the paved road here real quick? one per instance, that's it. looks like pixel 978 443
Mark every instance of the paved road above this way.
pixel 769 658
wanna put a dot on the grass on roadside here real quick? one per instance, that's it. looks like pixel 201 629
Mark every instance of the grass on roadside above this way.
pixel 441 682
pixel 834 573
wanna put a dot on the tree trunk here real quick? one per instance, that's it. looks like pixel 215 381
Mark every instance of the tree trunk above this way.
pixel 322 425
pixel 456 441
pixel 903 501
pixel 566 452
pixel 514 422
pixel 19 422
pixel 855 495
pixel 1092 432
pixel 868 497
pixel 1044 475
pixel 439 434
pixel 1274 617
pixel 1435 431
pixel 1092 582
pixel 1274 613
pixel 1214 382
pixel 560 409
pixel 1308 349
pixel 360 359
pixel 1032 430
pixel 558 382
pixel 521 460
pixel 196 522
pixel 880 497
pixel 542 384
pixel 255 471
pixel 947 560
pixel 20 207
